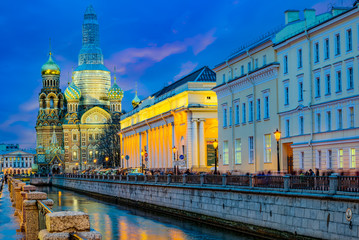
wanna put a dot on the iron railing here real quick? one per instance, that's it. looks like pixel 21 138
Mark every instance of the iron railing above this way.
pixel 213 179
pixel 348 183
pixel 238 180
pixel 43 210
pixel 268 181
pixel 309 182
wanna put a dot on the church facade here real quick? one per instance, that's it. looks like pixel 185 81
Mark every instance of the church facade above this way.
pixel 70 123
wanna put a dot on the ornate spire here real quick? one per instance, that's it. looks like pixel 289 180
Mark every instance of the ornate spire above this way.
pixel 90 57
pixel 54 138
pixel 114 74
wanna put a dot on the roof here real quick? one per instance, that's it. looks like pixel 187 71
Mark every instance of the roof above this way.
pixel 203 74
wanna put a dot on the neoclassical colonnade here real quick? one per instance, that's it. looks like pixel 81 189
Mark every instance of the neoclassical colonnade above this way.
pixel 159 137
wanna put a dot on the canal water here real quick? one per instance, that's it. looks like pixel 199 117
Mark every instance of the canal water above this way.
pixel 116 221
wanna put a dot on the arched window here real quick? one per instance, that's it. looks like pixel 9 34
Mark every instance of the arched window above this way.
pixel 51 102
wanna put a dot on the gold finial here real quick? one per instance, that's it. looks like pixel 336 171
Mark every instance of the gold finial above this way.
pixel 68 78
pixel 50 47
pixel 72 77
pixel 114 74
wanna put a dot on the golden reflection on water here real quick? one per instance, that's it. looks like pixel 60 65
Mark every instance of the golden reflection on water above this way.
pixel 96 220
pixel 123 229
pixel 108 226
pixel 177 234
pixel 60 193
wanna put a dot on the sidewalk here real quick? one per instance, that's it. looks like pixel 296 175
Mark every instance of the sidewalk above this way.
pixel 8 222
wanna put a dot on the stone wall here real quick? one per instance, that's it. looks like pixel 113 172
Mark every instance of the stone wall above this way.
pixel 273 213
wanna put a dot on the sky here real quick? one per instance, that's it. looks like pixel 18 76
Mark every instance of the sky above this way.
pixel 151 43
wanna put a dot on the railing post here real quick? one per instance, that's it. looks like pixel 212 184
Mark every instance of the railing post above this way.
pixel 251 182
pixel 184 179
pixel 333 183
pixel 127 178
pixel 201 177
pixel 156 178
pixel 286 182
pixel 135 178
pixel 168 178
pixel 145 178
pixel 224 180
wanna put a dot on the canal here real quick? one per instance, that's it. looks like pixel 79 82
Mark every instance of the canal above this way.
pixel 116 221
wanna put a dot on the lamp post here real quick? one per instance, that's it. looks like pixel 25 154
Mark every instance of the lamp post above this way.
pixel 94 161
pixel 277 134
pixel 85 165
pixel 122 162
pixel 174 149
pixel 142 154
pixel 106 159
pixel 215 145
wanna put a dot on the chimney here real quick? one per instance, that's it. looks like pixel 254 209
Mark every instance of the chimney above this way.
pixel 309 16
pixel 291 16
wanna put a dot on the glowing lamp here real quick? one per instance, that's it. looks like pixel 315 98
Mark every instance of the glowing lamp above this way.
pixel 277 134
pixel 174 149
pixel 215 144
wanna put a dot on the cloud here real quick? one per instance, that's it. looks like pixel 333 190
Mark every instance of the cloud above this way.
pixel 186 68
pixel 325 6
pixel 148 56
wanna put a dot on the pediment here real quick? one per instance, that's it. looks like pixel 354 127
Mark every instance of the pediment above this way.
pixel 95 115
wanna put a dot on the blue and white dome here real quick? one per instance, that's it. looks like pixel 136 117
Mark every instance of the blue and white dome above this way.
pixel 115 92
pixel 72 92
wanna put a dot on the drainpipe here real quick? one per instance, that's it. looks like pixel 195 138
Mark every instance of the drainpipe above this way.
pixel 254 122
pixel 233 150
pixel 310 92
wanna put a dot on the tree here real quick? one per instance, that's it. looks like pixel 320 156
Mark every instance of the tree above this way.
pixel 109 145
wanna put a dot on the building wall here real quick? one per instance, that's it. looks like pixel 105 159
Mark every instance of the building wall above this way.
pixel 17 162
pixel 319 133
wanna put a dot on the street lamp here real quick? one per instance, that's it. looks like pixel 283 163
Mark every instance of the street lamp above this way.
pixel 106 159
pixel 85 164
pixel 215 145
pixel 174 149
pixel 142 154
pixel 277 134
pixel 122 157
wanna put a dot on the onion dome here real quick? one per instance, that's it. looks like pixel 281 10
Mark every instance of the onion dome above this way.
pixel 115 92
pixel 50 67
pixel 72 92
pixel 136 101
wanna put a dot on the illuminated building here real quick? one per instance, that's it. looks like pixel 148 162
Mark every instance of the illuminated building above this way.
pixel 181 115
pixel 77 117
pixel 16 161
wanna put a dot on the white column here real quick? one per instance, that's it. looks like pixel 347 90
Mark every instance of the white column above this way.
pixel 140 148
pixel 160 147
pixel 189 140
pixel 156 147
pixel 165 147
pixel 202 144
pixel 195 162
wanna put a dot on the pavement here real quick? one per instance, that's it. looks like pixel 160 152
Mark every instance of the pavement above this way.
pixel 9 224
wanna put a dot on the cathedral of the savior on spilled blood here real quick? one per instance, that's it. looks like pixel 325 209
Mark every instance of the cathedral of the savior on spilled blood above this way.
pixel 69 124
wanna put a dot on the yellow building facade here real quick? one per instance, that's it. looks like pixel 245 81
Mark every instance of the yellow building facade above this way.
pixel 319 87
pixel 183 116
pixel 247 109
pixel 309 70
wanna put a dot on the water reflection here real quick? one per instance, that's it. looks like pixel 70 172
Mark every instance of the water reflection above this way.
pixel 121 222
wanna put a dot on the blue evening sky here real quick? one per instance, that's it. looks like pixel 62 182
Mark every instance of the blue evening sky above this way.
pixel 151 42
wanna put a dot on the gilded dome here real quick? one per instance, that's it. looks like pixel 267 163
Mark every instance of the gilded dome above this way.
pixel 50 67
pixel 72 92
pixel 136 101
pixel 115 92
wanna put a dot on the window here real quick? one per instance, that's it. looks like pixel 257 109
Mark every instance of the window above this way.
pixel 329 159
pixel 237 114
pixel 349 40
pixel 329 121
pixel 256 63
pixel 251 149
pixel 224 116
pixel 340 119
pixel 300 91
pixel 244 119
pixel 90 154
pixel 250 111
pixel 225 153
pixel 74 137
pixel 316 52
pixel 340 158
pixel 267 148
pixel 318 159
pixel 317 87
pixel 266 107
pixel 301 160
pixel 242 70
pixel 74 155
pixel 285 64
pixel 350 78
pixel 339 81
pixel 238 156
pixel 287 133
pixel 300 58
pixel 337 44
pixel 97 136
pixel 327 84
pixel 352 158
pixel 286 95
pixel 351 117
pixel 230 116
pixel 326 48
pixel 301 125
pixel 96 154
pixel 264 60
pixel 224 78
pixel 90 137
pixel 258 109
pixel 318 120
pixel 249 66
